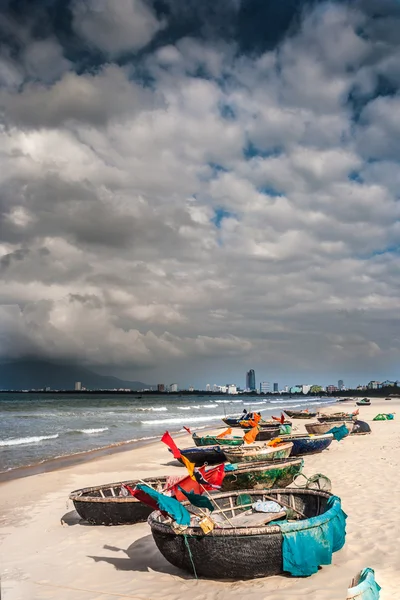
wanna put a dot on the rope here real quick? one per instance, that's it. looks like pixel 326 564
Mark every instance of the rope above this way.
pixel 190 555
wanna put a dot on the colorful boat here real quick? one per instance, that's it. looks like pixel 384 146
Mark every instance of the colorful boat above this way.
pixel 321 428
pixel 307 444
pixel 246 476
pixel 300 414
pixel 364 586
pixel 210 440
pixel 206 455
pixel 364 402
pixel 239 550
pixel 256 453
pixel 340 416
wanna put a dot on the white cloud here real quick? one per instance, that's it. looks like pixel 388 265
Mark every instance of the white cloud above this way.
pixel 226 219
pixel 113 26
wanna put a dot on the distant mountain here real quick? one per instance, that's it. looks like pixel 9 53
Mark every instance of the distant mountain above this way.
pixel 28 374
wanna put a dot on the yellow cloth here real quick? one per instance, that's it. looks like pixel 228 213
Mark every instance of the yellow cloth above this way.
pixel 274 442
pixel 189 465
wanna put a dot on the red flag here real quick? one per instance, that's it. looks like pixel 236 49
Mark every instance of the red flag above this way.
pixel 142 497
pixel 282 418
pixel 167 439
pixel 187 429
pixel 205 480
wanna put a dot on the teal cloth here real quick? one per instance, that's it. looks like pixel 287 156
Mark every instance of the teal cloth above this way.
pixel 228 467
pixel 339 432
pixel 169 505
pixel 308 544
pixel 197 500
pixel 367 588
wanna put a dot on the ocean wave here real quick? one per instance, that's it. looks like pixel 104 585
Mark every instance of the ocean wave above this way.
pixel 183 420
pixel 209 405
pixel 91 430
pixel 28 440
pixel 196 406
pixel 153 408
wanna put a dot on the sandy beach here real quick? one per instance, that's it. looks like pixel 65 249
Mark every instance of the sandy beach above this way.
pixel 46 552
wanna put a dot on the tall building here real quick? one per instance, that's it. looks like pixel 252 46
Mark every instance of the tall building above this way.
pixel 251 380
pixel 264 387
pixel 173 387
pixel 231 388
pixel 78 386
pixel 208 387
pixel 340 384
pixel 276 387
pixel 160 387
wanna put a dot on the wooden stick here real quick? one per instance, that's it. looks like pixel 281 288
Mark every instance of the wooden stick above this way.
pixel 211 500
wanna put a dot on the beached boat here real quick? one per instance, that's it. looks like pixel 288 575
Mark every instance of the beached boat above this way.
pixel 266 434
pixel 321 428
pixel 340 416
pixel 360 428
pixel 262 476
pixel 211 440
pixel 307 444
pixel 300 414
pixel 205 455
pixel 106 504
pixel 247 545
pixel 257 453
pixel 364 402
pixel 232 421
pixel 364 586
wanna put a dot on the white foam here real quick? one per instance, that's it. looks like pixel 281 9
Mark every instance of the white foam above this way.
pixel 93 430
pixel 28 440
pixel 183 420
pixel 153 408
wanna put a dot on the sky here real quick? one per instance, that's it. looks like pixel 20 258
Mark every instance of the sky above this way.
pixel 192 189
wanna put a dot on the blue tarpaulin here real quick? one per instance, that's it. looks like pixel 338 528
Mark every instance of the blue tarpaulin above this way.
pixel 167 504
pixel 367 588
pixel 308 544
pixel 339 432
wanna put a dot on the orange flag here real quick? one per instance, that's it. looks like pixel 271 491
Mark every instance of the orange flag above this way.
pixel 274 442
pixel 189 465
pixel 225 433
pixel 251 435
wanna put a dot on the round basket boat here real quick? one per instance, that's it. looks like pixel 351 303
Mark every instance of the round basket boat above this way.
pixel 321 428
pixel 105 504
pixel 238 552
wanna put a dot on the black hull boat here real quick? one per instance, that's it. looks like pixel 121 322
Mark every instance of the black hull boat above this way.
pixel 105 504
pixel 300 414
pixel 204 455
pixel 237 550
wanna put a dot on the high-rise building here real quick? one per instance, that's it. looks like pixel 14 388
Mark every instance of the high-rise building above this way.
pixel 340 384
pixel 276 387
pixel 264 387
pixel 173 387
pixel 160 387
pixel 251 380
pixel 78 386
pixel 208 387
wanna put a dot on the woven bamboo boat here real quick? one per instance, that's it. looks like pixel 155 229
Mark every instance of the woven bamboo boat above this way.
pixel 262 476
pixel 210 440
pixel 206 455
pixel 321 428
pixel 256 453
pixel 306 444
pixel 324 418
pixel 364 402
pixel 240 552
pixel 266 434
pixel 300 414
pixel 105 504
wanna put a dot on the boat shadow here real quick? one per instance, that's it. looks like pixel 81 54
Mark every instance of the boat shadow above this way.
pixel 143 556
pixel 72 518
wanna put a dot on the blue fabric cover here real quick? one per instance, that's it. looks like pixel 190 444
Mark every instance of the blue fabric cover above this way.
pixel 367 588
pixel 339 432
pixel 310 543
pixel 229 467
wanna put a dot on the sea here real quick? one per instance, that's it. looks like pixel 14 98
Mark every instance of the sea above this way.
pixel 35 428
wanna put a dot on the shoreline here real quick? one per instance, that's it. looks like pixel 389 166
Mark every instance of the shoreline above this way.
pixel 64 461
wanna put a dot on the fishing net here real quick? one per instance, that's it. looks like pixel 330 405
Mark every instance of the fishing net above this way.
pixel 315 482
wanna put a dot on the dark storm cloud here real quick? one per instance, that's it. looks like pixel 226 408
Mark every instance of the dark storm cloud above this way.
pixel 128 128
